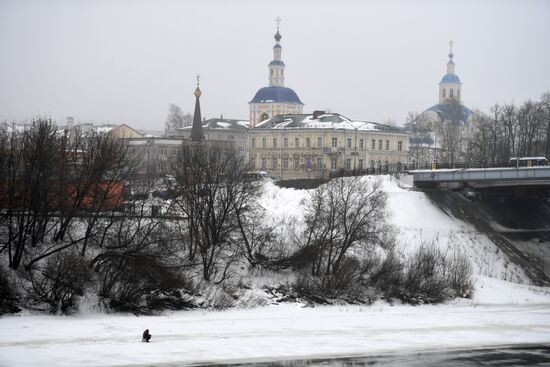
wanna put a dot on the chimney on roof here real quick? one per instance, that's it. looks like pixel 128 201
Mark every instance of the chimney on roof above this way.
pixel 317 113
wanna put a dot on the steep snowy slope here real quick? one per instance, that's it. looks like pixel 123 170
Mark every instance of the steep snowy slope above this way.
pixel 416 220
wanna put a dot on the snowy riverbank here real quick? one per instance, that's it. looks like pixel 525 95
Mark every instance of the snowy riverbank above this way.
pixel 500 313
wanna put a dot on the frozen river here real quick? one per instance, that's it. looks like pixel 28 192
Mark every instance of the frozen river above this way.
pixel 530 355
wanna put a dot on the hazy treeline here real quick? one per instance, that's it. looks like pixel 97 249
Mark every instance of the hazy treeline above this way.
pixel 510 131
pixel 507 131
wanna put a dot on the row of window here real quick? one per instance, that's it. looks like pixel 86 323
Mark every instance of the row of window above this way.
pixel 231 137
pixel 334 143
pixel 319 163
pixel 161 151
pixel 451 93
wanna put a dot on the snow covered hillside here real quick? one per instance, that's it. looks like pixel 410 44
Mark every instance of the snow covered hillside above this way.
pixel 416 220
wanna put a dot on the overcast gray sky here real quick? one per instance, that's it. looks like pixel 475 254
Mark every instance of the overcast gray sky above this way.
pixel 124 61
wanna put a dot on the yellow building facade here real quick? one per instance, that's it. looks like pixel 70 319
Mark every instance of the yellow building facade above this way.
pixel 318 146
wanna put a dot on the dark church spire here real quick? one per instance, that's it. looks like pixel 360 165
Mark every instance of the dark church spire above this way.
pixel 196 131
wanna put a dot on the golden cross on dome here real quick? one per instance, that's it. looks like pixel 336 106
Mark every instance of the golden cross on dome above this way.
pixel 278 20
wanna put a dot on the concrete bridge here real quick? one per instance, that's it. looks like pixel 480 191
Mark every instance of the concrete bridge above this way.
pixel 523 179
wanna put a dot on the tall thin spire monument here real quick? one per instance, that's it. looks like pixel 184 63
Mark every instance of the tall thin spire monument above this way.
pixel 196 131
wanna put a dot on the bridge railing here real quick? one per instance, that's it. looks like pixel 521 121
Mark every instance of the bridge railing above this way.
pixel 403 168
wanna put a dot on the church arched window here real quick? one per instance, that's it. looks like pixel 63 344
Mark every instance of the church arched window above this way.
pixel 451 93
pixel 443 93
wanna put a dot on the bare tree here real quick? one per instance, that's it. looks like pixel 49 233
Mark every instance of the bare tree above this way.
pixel 421 140
pixel 176 119
pixel 212 188
pixel 450 134
pixel 58 191
pixel 343 218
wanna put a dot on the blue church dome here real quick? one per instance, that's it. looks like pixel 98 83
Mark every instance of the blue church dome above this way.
pixel 450 78
pixel 446 111
pixel 276 62
pixel 276 95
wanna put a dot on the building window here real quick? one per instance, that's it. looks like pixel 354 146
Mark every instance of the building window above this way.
pixel 458 93
pixel 174 152
pixel 163 151
pixel 285 162
pixel 308 143
pixel 443 93
pixel 319 142
pixel 334 142
pixel 296 142
pixel 253 162
pixel 387 145
pixel 400 146
pixel 264 142
pixel 163 166
pixel 285 142
pixel 264 163
pixel 333 163
pixel 361 164
pixel 319 162
pixel 296 162
pixel 379 144
pixel 220 136
pixel 274 142
pixel 349 143
pixel 386 166
pixel 372 165
pixel 253 142
pixel 451 93
pixel 373 144
pixel 361 144
pixel 231 137
pixel 274 162
pixel 348 163
pixel 241 149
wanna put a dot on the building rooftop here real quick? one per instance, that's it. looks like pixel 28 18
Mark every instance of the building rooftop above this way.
pixel 276 95
pixel 450 78
pixel 322 121
pixel 221 123
pixel 445 111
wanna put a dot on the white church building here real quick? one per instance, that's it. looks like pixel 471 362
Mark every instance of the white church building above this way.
pixel 275 99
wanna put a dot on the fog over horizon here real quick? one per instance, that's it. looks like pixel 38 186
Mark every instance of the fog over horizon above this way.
pixel 125 61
